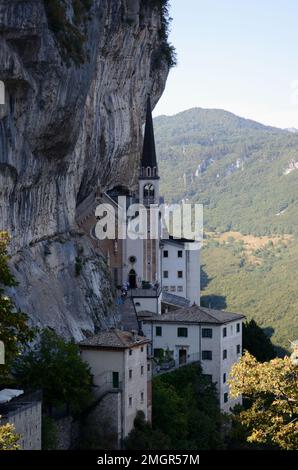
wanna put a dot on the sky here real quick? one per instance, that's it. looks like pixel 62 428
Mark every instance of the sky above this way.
pixel 237 55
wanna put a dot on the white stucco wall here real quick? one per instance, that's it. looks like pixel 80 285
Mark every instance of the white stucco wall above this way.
pixel 189 264
pixel 173 264
pixel 193 267
pixel 229 343
pixel 195 344
pixel 103 363
pixel 151 304
pixel 135 386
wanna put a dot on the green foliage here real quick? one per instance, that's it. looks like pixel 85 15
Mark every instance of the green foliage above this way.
pixel 98 435
pixel 49 433
pixel 166 50
pixel 8 438
pixel 272 387
pixel 186 410
pixel 68 32
pixel 241 181
pixel 54 365
pixel 14 331
pixel 143 437
pixel 265 292
pixel 256 342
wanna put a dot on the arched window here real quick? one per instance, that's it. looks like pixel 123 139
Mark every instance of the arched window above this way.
pixel 148 171
pixel 148 193
pixel 154 171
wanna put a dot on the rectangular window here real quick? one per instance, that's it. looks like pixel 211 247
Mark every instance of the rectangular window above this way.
pixel 173 288
pixel 206 332
pixel 148 367
pixel 238 349
pixel 180 274
pixel 238 328
pixel 130 352
pixel 165 254
pixel 207 355
pixel 180 253
pixel 224 378
pixel 166 274
pixel 130 401
pixel 166 288
pixel 226 397
pixel 180 289
pixel 182 333
pixel 224 354
pixel 142 348
pixel 130 373
pixel 115 379
pixel 142 397
pixel 158 331
pixel 142 370
pixel 224 332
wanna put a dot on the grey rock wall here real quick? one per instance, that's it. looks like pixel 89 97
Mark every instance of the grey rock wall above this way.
pixel 67 128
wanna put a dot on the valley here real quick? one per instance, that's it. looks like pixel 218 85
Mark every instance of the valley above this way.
pixel 245 175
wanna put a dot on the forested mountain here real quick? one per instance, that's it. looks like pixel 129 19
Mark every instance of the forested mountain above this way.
pixel 245 173
pixel 246 176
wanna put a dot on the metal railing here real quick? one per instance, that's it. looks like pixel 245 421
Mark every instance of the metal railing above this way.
pixel 168 365
pixel 149 292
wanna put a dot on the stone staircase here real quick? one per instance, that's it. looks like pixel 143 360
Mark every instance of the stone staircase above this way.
pixel 128 315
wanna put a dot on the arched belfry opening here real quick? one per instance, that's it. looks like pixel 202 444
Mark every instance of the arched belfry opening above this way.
pixel 148 193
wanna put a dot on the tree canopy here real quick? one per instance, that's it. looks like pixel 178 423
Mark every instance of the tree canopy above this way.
pixel 272 388
pixel 55 366
pixel 143 437
pixel 186 409
pixel 256 342
pixel 14 330
pixel 8 438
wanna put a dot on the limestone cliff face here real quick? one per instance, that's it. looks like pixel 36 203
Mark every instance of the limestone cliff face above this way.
pixel 74 107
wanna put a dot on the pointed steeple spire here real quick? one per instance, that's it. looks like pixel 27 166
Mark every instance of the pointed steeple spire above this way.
pixel 149 163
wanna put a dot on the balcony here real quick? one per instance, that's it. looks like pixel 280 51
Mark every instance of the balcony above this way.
pixel 168 364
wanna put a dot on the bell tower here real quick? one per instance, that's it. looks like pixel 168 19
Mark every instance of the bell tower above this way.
pixel 149 197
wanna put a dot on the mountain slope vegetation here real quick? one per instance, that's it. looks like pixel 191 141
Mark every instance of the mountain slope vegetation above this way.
pixel 246 176
pixel 245 173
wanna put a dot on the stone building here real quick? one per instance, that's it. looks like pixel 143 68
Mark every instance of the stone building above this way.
pixel 197 334
pixel 139 257
pixel 118 362
pixel 24 412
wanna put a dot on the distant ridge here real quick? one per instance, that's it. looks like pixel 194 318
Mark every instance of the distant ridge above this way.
pixel 244 172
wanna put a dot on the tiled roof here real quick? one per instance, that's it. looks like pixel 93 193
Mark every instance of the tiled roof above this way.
pixel 196 314
pixel 113 339
pixel 173 299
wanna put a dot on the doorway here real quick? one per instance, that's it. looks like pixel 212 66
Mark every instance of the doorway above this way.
pixel 182 356
pixel 132 279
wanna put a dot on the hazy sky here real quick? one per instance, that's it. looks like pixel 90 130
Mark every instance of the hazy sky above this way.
pixel 238 55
